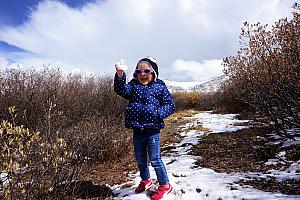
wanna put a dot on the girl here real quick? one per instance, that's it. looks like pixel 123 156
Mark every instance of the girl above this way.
pixel 149 103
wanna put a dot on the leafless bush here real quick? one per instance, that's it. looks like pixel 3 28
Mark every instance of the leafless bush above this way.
pixel 67 98
pixel 186 100
pixel 50 102
pixel 73 113
pixel 98 139
pixel 33 167
pixel 224 100
pixel 265 72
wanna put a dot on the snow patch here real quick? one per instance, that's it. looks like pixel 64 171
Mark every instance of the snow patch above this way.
pixel 192 182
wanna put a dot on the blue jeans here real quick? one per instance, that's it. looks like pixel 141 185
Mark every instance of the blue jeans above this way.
pixel 147 143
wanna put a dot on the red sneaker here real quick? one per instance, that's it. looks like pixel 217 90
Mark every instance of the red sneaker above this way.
pixel 162 191
pixel 144 186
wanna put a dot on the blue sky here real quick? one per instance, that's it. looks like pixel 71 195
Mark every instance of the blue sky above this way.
pixel 9 48
pixel 189 38
pixel 15 12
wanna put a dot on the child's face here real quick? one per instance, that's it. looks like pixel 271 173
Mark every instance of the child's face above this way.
pixel 145 78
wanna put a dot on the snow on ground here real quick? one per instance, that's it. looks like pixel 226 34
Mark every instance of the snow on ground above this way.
pixel 287 142
pixel 219 123
pixel 191 183
pixel 3 179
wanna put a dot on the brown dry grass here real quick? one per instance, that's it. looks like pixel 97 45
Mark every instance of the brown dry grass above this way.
pixel 113 172
pixel 241 151
pixel 169 134
pixel 231 152
pixel 198 128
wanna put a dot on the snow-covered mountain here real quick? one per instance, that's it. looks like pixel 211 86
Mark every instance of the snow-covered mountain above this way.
pixel 210 85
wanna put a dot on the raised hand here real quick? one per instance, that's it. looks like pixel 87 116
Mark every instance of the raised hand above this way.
pixel 121 66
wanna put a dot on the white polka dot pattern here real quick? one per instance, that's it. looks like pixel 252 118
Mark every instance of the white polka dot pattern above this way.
pixel 148 105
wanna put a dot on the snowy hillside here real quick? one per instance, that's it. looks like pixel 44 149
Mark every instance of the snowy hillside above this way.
pixel 210 85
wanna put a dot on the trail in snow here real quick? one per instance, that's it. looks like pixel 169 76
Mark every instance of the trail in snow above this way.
pixel 191 183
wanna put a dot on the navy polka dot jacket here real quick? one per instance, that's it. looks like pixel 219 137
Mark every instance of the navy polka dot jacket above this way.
pixel 148 105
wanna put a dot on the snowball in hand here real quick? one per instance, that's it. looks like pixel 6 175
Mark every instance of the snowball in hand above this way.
pixel 121 65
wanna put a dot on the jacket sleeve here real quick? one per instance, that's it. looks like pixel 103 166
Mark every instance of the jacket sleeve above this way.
pixel 121 88
pixel 168 105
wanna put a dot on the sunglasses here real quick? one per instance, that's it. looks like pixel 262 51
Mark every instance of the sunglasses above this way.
pixel 146 71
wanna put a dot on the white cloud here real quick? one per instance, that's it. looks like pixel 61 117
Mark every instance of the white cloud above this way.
pixel 3 62
pixel 94 37
pixel 198 71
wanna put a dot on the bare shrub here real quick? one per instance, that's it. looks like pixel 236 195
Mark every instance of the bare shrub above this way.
pixel 74 113
pixel 265 72
pixel 186 100
pixel 53 103
pixel 99 139
pixel 33 167
pixel 207 101
pixel 224 100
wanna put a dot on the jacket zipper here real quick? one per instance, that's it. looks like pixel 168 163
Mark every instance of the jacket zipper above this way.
pixel 143 103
